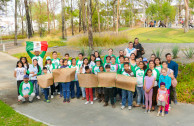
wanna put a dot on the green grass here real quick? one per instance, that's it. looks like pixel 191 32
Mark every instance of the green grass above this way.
pixel 8 37
pixel 9 117
pixel 185 86
pixel 123 28
pixel 161 35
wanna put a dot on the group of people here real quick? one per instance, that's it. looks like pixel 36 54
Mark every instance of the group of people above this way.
pixel 154 78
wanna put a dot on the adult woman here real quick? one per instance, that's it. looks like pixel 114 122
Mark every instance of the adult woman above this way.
pixel 130 50
pixel 138 47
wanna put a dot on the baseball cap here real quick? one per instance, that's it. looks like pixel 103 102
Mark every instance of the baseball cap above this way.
pixel 26 76
pixel 48 58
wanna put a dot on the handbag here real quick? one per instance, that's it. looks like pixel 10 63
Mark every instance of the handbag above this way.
pixel 143 51
pixel 174 82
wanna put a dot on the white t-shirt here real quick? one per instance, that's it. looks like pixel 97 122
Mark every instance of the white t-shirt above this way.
pixel 40 60
pixel 92 63
pixel 26 88
pixel 154 73
pixel 129 51
pixel 20 73
pixel 139 76
pixel 83 68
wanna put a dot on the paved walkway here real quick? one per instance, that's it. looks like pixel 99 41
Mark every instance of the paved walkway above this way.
pixel 77 113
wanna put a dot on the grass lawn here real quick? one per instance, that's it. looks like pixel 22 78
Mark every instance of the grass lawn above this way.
pixel 161 35
pixel 9 117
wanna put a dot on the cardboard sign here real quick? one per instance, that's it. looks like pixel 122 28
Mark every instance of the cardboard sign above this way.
pixel 64 74
pixel 126 82
pixel 88 80
pixel 45 80
pixel 106 79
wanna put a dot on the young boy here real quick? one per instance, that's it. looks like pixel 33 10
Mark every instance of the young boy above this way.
pixel 108 58
pixel 89 92
pixel 26 90
pixel 55 60
pixel 125 93
pixel 162 98
pixel 67 57
pixel 109 92
pixel 79 62
pixel 121 53
pixel 46 90
pixel 121 64
pixel 110 53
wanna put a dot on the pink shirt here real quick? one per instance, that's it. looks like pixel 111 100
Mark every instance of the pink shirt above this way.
pixel 162 94
pixel 149 81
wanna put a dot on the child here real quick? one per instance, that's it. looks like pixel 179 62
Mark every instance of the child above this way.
pixel 26 90
pixel 25 62
pixel 66 85
pixel 121 53
pixel 101 89
pixel 92 61
pixel 79 62
pixel 110 53
pixel 46 90
pixel 121 64
pixel 132 60
pixel 75 82
pixel 82 70
pixel 50 66
pixel 60 84
pixel 55 60
pixel 125 93
pixel 158 64
pixel 148 87
pixel 67 57
pixel 33 71
pixel 19 73
pixel 167 80
pixel 108 58
pixel 136 67
pixel 109 92
pixel 162 98
pixel 139 87
pixel 89 92
pixel 97 55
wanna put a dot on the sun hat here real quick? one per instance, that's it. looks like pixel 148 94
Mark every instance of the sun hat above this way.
pixel 97 59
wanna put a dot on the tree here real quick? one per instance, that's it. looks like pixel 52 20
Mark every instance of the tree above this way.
pixel 80 14
pixel 64 32
pixel 72 18
pixel 83 16
pixel 21 14
pixel 97 2
pixel 28 19
pixel 90 34
pixel 48 13
pixel 3 3
pixel 15 40
pixel 186 28
pixel 117 29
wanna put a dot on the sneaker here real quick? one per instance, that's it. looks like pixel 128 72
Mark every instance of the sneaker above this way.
pixel 64 100
pixel 72 97
pixel 175 102
pixel 68 101
pixel 47 101
pixel 122 107
pixel 105 104
pixel 86 102
pixel 95 99
pixel 92 103
pixel 129 107
pixel 158 114
pixel 52 96
pixel 148 111
pixel 166 112
pixel 38 97
pixel 58 93
pixel 83 98
pixel 100 100
pixel 169 108
pixel 163 113
pixel 30 101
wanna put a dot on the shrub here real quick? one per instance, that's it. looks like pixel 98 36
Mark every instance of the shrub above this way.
pixel 158 52
pixel 82 50
pixel 100 51
pixel 89 51
pixel 188 52
pixel 175 51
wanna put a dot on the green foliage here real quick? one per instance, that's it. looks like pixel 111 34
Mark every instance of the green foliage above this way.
pixel 158 52
pixel 7 37
pixel 89 51
pixel 185 86
pixel 82 50
pixel 100 51
pixel 10 117
pixel 175 51
pixel 188 52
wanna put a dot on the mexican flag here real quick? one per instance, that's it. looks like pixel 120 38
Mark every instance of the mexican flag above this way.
pixel 36 46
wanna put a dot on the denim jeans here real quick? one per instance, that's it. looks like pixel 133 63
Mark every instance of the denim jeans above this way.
pixel 46 93
pixel 34 82
pixel 124 97
pixel 140 95
pixel 83 92
pixel 60 89
pixel 72 88
pixel 66 90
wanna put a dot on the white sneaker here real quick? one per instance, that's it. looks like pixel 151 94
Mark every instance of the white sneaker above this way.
pixel 129 107
pixel 158 114
pixel 169 108
pixel 52 96
pixel 122 107
pixel 95 99
pixel 58 93
pixel 38 97
pixel 148 111
pixel 92 103
pixel 86 102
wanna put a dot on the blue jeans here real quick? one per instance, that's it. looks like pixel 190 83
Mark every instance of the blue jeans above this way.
pixel 46 93
pixel 124 97
pixel 140 95
pixel 83 92
pixel 60 89
pixel 72 88
pixel 34 82
pixel 66 90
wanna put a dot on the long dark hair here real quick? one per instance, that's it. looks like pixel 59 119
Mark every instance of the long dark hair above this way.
pixel 153 62
pixel 18 63
pixel 147 72
pixel 83 61
pixel 144 66
pixel 158 59
pixel 98 54
pixel 25 62
pixel 38 67
pixel 47 63
pixel 90 58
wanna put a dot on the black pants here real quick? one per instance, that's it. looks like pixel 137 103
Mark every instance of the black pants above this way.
pixel 18 85
pixel 52 89
pixel 109 94
pixel 155 91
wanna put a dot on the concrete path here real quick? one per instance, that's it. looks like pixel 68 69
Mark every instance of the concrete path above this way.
pixel 77 113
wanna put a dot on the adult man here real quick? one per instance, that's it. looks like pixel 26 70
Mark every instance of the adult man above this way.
pixel 130 50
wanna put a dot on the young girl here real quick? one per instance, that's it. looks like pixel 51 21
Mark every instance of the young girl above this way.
pixel 66 85
pixel 101 89
pixel 148 87
pixel 162 98
pixel 92 61
pixel 158 64
pixel 140 91
pixel 33 71
pixel 89 92
pixel 82 70
pixel 127 72
pixel 50 66
pixel 97 55
pixel 132 60
pixel 19 73
pixel 46 90
pixel 75 82
pixel 108 58
pixel 167 80
pixel 25 62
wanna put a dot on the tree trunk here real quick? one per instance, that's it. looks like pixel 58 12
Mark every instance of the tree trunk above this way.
pixel 80 10
pixel 48 13
pixel 90 33
pixel 15 40
pixel 97 1
pixel 72 18
pixel 117 29
pixel 84 16
pixel 114 26
pixel 30 4
pixel 63 18
pixel 107 14
pixel 186 28
pixel 28 19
